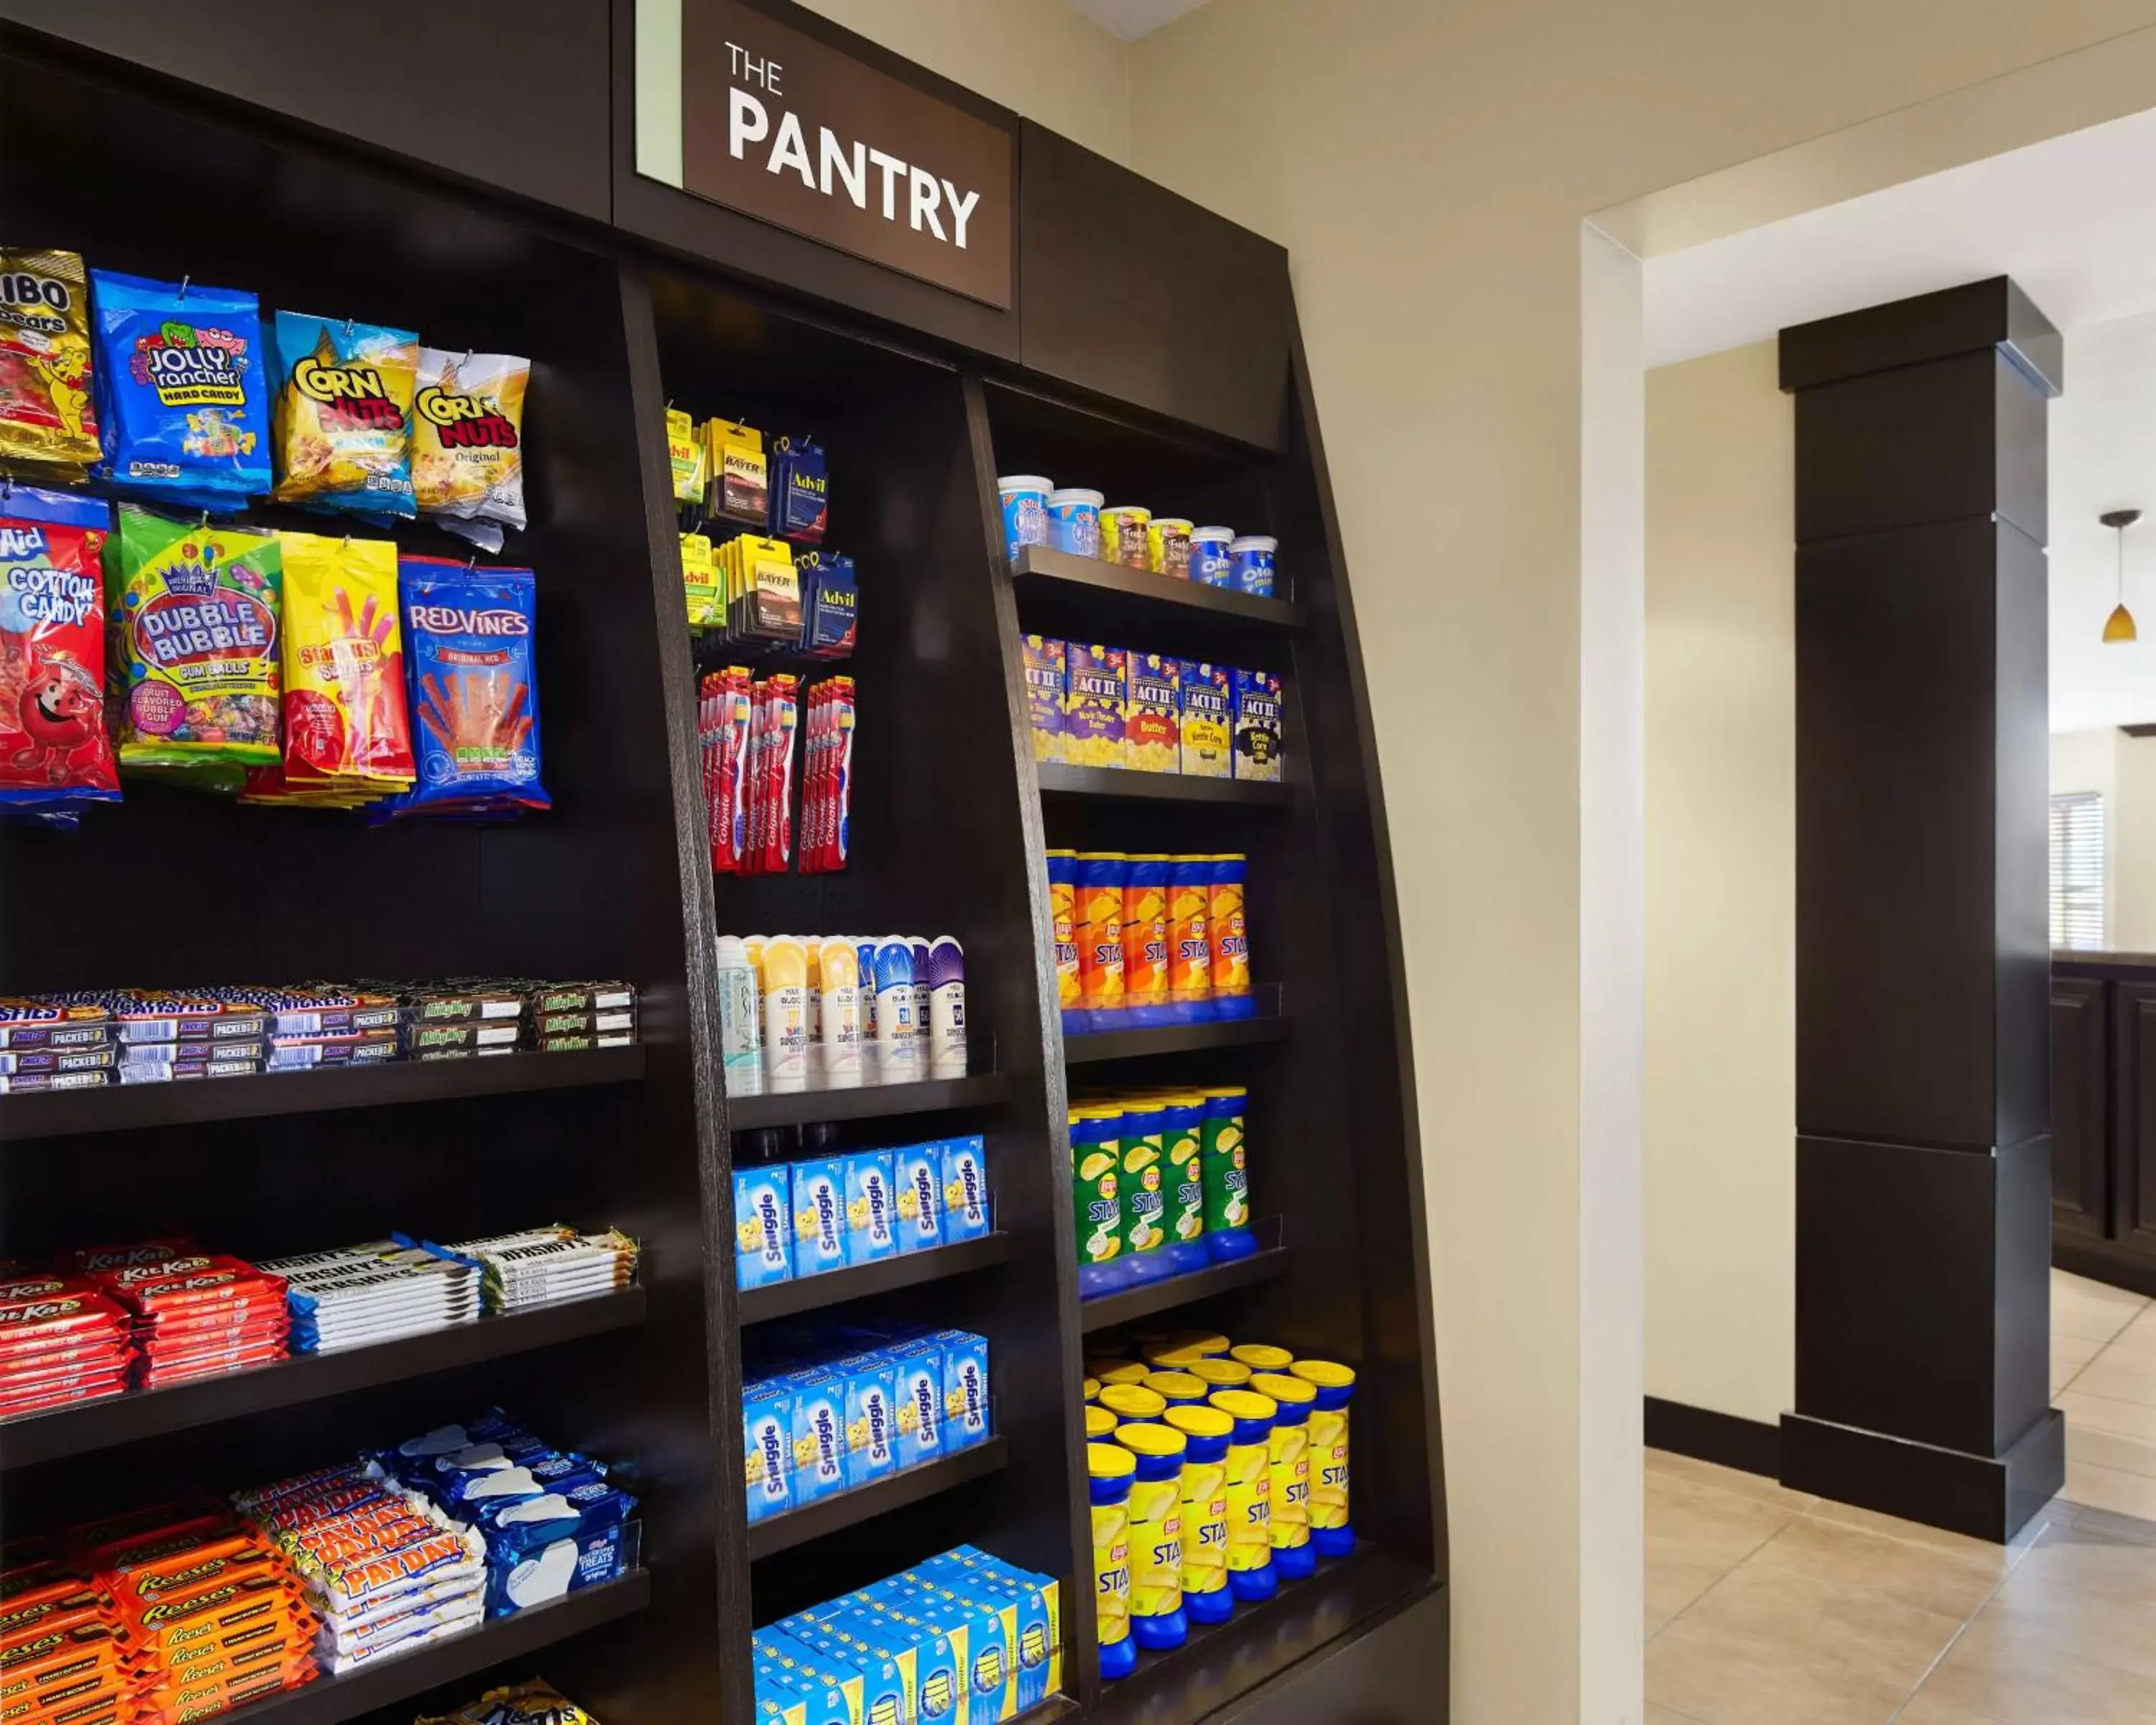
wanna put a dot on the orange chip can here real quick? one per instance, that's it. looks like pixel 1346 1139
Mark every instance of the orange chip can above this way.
pixel 1062 911
pixel 1231 937
pixel 1100 875
pixel 1189 943
pixel 1145 940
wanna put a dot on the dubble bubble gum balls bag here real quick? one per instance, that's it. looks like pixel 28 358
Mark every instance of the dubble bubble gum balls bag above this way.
pixel 54 752
pixel 468 640
pixel 181 391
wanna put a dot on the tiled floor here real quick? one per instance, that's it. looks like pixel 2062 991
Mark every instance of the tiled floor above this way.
pixel 1765 1607
pixel 2104 1375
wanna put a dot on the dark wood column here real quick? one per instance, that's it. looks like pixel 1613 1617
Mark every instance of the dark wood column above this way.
pixel 1923 1105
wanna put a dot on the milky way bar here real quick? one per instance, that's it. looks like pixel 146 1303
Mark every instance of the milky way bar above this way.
pixel 427 1036
pixel 548 998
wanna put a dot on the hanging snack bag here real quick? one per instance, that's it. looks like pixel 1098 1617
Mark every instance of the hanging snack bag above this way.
pixel 181 399
pixel 54 756
pixel 344 416
pixel 468 443
pixel 196 615
pixel 468 641
pixel 48 419
pixel 348 737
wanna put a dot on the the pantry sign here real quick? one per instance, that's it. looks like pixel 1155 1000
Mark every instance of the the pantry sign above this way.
pixel 735 106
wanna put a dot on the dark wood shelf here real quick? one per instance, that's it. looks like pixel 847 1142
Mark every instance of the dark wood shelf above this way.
pixel 809 1293
pixel 848 1509
pixel 80 1427
pixel 871 1101
pixel 1171 1039
pixel 395 1677
pixel 1106 1311
pixel 1137 594
pixel 1221 1662
pixel 127 1107
pixel 1121 784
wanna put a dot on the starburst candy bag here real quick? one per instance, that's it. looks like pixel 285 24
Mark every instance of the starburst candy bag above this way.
pixel 344 416
pixel 181 396
pixel 195 612
pixel 48 418
pixel 468 641
pixel 54 756
pixel 468 443
pixel 348 738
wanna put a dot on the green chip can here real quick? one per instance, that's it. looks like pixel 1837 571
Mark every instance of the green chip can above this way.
pixel 1096 1195
pixel 1226 1175
pixel 1144 1192
pixel 1183 1115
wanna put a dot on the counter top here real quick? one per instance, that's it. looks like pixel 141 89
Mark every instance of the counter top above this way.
pixel 2114 961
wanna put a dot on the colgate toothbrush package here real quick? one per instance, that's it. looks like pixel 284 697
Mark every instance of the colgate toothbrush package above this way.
pixel 826 800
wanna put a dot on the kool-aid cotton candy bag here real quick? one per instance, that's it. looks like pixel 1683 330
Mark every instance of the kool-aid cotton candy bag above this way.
pixel 47 417
pixel 180 389
pixel 344 415
pixel 53 754
pixel 195 638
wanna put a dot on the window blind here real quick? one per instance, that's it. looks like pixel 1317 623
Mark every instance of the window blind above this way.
pixel 2077 839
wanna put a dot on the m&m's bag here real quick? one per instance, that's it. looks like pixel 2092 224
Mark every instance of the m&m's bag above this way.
pixel 348 737
pixel 344 415
pixel 180 391
pixel 54 757
pixel 195 646
pixel 47 417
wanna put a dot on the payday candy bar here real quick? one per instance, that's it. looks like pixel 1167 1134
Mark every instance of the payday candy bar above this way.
pixel 303 1509
pixel 341 1584
pixel 45 1023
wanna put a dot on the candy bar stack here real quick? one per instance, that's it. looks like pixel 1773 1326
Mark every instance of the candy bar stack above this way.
pixel 566 1016
pixel 163 1034
pixel 62 1339
pixel 208 1614
pixel 60 1647
pixel 44 1045
pixel 548 1520
pixel 323 1025
pixel 544 1265
pixel 357 1296
pixel 196 1314
pixel 455 1019
pixel 383 1569
pixel 533 1704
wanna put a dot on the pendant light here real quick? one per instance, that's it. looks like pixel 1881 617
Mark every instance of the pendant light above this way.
pixel 2118 627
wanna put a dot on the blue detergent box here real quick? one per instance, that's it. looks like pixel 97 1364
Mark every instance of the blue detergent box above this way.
pixel 871 1414
pixel 965 1188
pixel 775 1648
pixel 958 1623
pixel 812 1703
pixel 916 1177
pixel 918 1387
pixel 938 1661
pixel 763 1226
pixel 872 1207
pixel 776 1705
pixel 819 1433
pixel 966 1415
pixel 1036 1599
pixel 886 1665
pixel 819 1216
pixel 980 1643
pixel 767 1442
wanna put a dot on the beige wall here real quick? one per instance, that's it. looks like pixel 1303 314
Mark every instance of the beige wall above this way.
pixel 1043 58
pixel 2088 761
pixel 1721 886
pixel 2134 847
pixel 1428 162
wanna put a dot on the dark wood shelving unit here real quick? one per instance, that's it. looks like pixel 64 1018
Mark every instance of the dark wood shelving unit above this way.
pixel 835 1287
pixel 131 1107
pixel 1133 597
pixel 871 1101
pixel 1058 779
pixel 530 231
pixel 1097 1045
pixel 1106 1311
pixel 848 1509
pixel 28 1439
pixel 395 1677
pixel 1221 1661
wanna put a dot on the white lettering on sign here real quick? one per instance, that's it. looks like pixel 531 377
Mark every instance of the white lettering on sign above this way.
pixel 840 165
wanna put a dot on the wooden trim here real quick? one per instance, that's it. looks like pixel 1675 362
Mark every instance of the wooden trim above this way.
pixel 1728 1441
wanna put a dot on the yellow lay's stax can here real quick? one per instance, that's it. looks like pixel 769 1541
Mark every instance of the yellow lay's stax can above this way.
pixel 1206 1596
pixel 1288 1453
pixel 1250 1572
pixel 1155 1535
pixel 1111 1469
pixel 1330 1533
